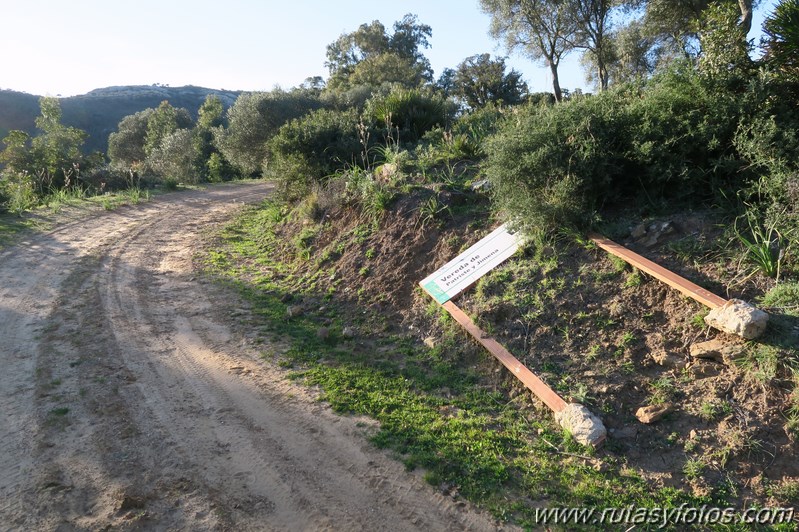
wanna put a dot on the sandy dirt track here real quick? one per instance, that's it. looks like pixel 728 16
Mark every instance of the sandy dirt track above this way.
pixel 131 399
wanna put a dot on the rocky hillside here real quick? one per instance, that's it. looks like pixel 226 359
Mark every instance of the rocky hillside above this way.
pixel 99 111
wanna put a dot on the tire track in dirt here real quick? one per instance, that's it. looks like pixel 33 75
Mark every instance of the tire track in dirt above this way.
pixel 131 402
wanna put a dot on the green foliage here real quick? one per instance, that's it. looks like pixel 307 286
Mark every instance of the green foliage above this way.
pixel 479 81
pixel 545 30
pixel 370 195
pixel 783 296
pixel 765 246
pixel 218 169
pixel 309 149
pixel 254 119
pixel 174 157
pixel 370 57
pixel 17 193
pixel 471 130
pixel 667 140
pixel 768 142
pixel 725 50
pixel 35 167
pixel 781 29
pixel 162 122
pixel 126 144
pixel 411 111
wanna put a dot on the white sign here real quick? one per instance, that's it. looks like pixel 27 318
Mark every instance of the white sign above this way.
pixel 459 273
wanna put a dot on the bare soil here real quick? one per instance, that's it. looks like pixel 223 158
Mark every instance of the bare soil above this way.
pixel 131 397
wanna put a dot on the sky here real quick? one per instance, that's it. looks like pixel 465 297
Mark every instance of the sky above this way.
pixel 57 47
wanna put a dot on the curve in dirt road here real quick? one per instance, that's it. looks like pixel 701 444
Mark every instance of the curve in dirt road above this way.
pixel 128 399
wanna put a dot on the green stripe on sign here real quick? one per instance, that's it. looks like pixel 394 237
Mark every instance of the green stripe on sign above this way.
pixel 438 294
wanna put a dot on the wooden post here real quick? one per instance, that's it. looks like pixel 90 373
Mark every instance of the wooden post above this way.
pixel 659 272
pixel 519 370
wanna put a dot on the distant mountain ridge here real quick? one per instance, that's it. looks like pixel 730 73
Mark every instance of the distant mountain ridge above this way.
pixel 98 112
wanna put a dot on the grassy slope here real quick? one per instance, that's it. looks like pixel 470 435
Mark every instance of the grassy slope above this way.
pixel 442 408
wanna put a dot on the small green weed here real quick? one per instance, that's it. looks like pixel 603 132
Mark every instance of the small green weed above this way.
pixel 698 319
pixel 662 390
pixel 693 468
pixel 430 211
pixel 765 246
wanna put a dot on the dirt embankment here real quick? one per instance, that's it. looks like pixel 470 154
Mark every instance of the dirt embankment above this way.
pixel 130 398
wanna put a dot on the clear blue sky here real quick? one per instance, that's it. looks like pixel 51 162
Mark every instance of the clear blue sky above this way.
pixel 69 47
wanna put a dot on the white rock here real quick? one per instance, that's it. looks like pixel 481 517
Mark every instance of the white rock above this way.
pixel 584 426
pixel 738 317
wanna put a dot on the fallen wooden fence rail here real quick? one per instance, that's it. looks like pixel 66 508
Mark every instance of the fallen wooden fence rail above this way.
pixel 519 370
pixel 731 316
pixel 685 286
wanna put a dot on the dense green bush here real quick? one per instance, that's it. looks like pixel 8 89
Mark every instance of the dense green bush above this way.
pixel 255 118
pixel 409 112
pixel 309 149
pixel 466 139
pixel 667 140
pixel 768 142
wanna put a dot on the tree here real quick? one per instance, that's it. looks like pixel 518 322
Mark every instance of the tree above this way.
pixel 164 121
pixel 126 144
pixel 210 118
pixel 446 81
pixel 58 148
pixel 51 159
pixel 253 119
pixel 479 80
pixel 746 7
pixel 174 157
pixel 593 28
pixel 17 155
pixel 725 50
pixel 370 56
pixel 631 55
pixel 674 26
pixel 544 29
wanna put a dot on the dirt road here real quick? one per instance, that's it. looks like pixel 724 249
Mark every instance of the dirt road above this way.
pixel 129 397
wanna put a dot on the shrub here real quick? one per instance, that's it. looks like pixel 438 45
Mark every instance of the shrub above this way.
pixel 411 111
pixel 255 118
pixel 768 142
pixel 669 139
pixel 309 149
pixel 17 192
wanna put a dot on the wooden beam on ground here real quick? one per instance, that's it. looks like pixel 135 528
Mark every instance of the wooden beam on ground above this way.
pixel 659 272
pixel 528 378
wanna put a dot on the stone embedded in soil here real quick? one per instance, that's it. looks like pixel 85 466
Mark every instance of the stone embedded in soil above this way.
pixel 638 231
pixel 738 317
pixel 703 369
pixel 716 350
pixel 651 413
pixel 349 332
pixel 584 426
pixel 294 311
pixel 668 360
